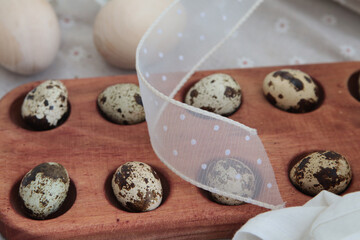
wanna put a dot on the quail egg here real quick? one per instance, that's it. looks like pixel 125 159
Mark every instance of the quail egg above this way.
pixel 321 170
pixel 137 187
pixel 218 93
pixel 44 189
pixel 291 90
pixel 122 104
pixel 233 176
pixel 46 106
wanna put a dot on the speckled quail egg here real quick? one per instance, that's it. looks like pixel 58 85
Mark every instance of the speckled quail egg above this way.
pixel 291 90
pixel 122 104
pixel 233 176
pixel 137 187
pixel 44 189
pixel 321 170
pixel 218 93
pixel 46 106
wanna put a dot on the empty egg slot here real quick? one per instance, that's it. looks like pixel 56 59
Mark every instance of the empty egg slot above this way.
pixel 354 85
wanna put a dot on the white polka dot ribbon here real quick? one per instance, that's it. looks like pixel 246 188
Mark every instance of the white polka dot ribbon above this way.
pixel 186 139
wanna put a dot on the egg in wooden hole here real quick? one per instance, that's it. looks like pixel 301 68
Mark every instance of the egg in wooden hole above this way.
pixel 46 106
pixel 233 176
pixel 292 90
pixel 122 104
pixel 29 35
pixel 218 93
pixel 321 170
pixel 120 24
pixel 44 189
pixel 137 187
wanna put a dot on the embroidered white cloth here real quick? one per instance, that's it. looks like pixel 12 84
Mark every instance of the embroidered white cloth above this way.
pixel 325 217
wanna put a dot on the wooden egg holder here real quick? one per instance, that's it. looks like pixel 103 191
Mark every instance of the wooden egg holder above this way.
pixel 91 148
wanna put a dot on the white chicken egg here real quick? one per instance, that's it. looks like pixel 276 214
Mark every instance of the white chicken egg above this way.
pixel 120 25
pixel 29 35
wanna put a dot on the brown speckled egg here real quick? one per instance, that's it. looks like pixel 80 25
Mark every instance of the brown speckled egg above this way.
pixel 232 176
pixel 218 93
pixel 44 189
pixel 46 106
pixel 322 170
pixel 291 90
pixel 122 104
pixel 137 187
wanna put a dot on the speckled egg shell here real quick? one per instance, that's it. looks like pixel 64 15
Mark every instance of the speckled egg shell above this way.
pixel 232 176
pixel 218 93
pixel 46 106
pixel 122 104
pixel 322 170
pixel 291 90
pixel 137 187
pixel 44 189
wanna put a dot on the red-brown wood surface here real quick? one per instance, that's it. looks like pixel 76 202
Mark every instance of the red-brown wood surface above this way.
pixel 91 148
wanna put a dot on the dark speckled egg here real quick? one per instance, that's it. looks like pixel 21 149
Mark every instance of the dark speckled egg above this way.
pixel 233 176
pixel 291 90
pixel 44 189
pixel 322 170
pixel 218 93
pixel 137 187
pixel 46 106
pixel 122 104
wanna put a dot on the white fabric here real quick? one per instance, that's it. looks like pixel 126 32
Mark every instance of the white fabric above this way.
pixel 192 35
pixel 325 217
pixel 162 53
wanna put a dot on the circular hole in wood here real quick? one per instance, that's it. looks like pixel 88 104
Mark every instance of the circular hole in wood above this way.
pixel 354 85
pixel 326 175
pixel 111 198
pixel 16 118
pixel 19 206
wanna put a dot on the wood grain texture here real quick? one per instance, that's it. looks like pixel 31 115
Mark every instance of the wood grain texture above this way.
pixel 91 148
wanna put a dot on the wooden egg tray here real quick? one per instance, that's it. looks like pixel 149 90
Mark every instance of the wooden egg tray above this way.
pixel 91 148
